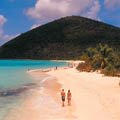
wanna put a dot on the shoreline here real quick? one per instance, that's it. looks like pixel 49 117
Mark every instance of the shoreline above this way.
pixel 71 62
pixel 101 91
pixel 94 96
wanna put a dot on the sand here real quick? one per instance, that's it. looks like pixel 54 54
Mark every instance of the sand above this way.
pixel 94 97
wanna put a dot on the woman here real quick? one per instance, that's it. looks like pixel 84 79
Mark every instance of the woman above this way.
pixel 69 95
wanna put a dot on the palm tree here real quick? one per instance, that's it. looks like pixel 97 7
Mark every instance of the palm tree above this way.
pixel 104 52
pixel 99 56
pixel 103 58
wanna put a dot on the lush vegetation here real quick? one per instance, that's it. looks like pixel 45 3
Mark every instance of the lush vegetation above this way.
pixel 102 58
pixel 65 38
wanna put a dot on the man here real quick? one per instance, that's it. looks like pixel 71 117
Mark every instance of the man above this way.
pixel 63 97
pixel 69 95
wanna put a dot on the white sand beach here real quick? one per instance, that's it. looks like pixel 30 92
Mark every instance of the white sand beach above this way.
pixel 94 97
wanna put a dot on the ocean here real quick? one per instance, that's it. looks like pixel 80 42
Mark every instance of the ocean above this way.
pixel 14 80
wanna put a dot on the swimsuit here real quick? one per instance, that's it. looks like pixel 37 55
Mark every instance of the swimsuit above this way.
pixel 63 98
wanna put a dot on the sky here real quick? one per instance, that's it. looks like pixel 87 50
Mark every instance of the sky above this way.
pixel 19 16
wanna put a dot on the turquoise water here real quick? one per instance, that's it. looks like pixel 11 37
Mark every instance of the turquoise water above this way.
pixel 13 72
pixel 13 76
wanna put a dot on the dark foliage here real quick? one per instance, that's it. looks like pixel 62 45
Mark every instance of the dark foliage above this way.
pixel 102 58
pixel 84 67
pixel 65 38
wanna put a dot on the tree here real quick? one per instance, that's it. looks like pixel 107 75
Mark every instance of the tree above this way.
pixel 103 58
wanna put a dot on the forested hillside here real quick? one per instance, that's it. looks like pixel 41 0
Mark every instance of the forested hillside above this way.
pixel 66 38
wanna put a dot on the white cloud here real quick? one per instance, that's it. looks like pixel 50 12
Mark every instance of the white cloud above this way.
pixel 4 37
pixel 47 10
pixel 34 26
pixel 2 20
pixel 94 11
pixel 112 3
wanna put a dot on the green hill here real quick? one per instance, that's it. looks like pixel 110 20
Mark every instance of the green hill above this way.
pixel 65 38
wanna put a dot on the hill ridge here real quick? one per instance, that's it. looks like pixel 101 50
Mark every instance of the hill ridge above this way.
pixel 65 38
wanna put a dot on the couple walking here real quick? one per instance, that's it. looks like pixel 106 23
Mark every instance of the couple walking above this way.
pixel 63 95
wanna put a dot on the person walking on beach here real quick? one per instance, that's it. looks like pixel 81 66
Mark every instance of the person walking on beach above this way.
pixel 69 95
pixel 56 68
pixel 63 97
